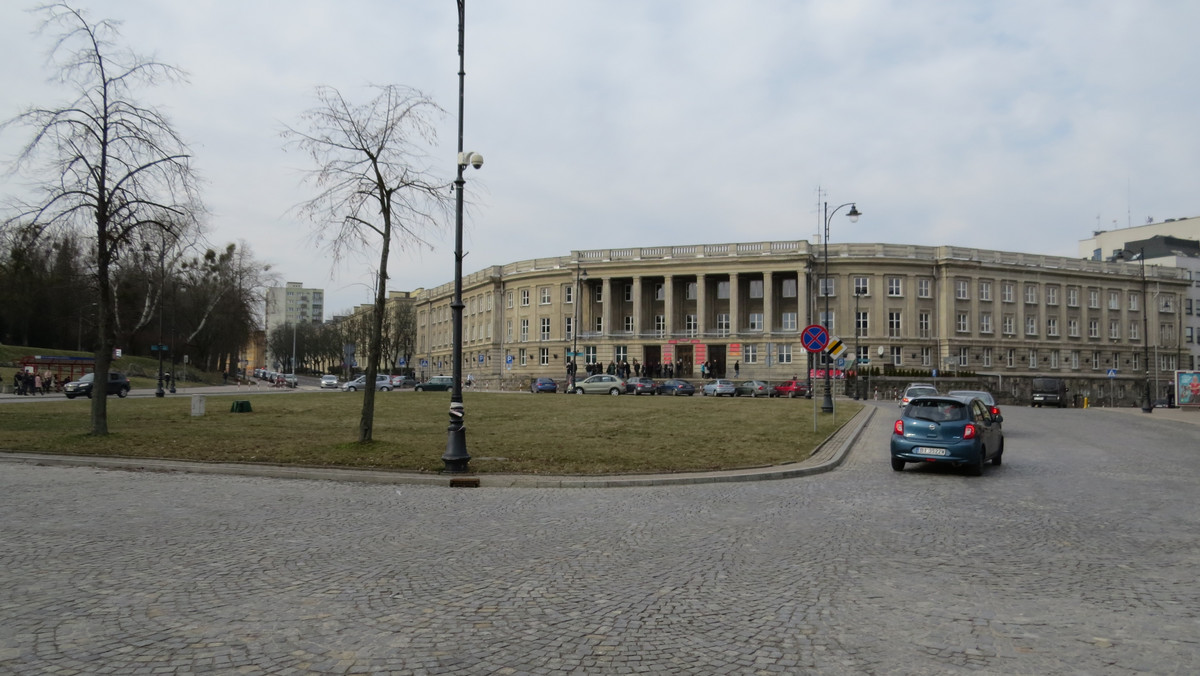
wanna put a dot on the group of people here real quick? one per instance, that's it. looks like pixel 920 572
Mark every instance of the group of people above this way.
pixel 623 369
pixel 28 383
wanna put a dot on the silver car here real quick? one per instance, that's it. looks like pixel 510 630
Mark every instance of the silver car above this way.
pixel 603 384
pixel 718 388
pixel 383 383
pixel 329 382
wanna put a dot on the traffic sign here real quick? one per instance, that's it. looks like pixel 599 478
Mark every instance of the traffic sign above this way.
pixel 814 337
pixel 1112 373
pixel 836 347
pixel 841 363
pixel 864 361
pixel 508 360
pixel 480 359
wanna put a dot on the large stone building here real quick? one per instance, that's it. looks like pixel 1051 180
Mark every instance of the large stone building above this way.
pixel 286 306
pixel 909 309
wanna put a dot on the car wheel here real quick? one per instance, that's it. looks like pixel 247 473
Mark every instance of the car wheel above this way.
pixel 578 390
pixel 753 394
pixel 999 457
pixel 614 392
pixel 897 464
pixel 703 393
pixel 386 389
pixel 976 467
pixel 351 389
pixel 122 393
pixel 418 389
pixel 89 395
pixel 792 394
pixel 70 396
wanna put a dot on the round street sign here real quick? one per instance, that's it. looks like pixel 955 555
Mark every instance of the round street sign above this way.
pixel 814 337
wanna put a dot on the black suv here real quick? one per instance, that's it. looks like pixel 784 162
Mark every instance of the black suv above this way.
pixel 118 384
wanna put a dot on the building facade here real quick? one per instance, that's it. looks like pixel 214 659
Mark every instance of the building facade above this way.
pixel 743 307
pixel 289 305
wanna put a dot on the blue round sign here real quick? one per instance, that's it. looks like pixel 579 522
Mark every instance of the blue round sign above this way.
pixel 814 337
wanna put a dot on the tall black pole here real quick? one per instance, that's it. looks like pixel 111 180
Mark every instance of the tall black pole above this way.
pixel 827 401
pixel 162 297
pixel 456 459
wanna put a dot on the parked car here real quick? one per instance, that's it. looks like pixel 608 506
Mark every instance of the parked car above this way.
pixel 540 385
pixel 401 382
pixel 329 382
pixel 791 389
pixel 290 380
pixel 118 384
pixel 945 429
pixel 916 390
pixel 642 385
pixel 986 397
pixel 436 384
pixel 1048 392
pixel 718 388
pixel 752 388
pixel 383 383
pixel 675 387
pixel 603 384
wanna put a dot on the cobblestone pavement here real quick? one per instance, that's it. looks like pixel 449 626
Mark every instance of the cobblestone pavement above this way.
pixel 1078 555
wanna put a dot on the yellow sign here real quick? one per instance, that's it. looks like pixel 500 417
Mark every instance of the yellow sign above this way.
pixel 835 347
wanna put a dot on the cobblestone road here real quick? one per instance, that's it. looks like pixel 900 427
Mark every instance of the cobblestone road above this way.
pixel 1078 556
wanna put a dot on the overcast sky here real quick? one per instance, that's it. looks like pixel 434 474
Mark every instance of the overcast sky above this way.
pixel 1008 124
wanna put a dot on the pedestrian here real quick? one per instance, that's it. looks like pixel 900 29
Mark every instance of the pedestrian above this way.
pixel 737 368
pixel 37 384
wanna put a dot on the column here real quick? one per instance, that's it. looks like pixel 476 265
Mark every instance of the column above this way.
pixel 701 306
pixel 606 304
pixel 768 303
pixel 735 324
pixel 669 304
pixel 637 306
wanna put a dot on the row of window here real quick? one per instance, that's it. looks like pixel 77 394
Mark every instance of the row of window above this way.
pixel 691 290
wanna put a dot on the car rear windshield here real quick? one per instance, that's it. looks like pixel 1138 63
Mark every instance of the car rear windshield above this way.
pixel 936 410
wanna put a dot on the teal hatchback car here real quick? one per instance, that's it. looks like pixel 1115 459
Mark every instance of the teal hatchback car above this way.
pixel 942 429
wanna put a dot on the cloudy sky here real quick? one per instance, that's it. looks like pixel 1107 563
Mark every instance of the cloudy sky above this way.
pixel 1005 124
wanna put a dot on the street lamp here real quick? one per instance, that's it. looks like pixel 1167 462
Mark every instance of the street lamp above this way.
pixel 456 459
pixel 854 213
pixel 580 277
pixel 1148 404
pixel 857 375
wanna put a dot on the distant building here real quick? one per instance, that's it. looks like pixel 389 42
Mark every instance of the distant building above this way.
pixel 292 304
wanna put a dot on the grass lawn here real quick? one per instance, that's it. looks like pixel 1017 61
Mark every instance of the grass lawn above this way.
pixel 510 432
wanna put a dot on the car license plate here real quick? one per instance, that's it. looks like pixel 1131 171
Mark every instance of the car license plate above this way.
pixel 925 450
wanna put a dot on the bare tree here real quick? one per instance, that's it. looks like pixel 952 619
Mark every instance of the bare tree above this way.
pixel 375 187
pixel 113 166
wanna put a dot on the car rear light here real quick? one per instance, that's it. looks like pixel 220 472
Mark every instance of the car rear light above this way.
pixel 969 431
pixel 898 428
pixel 995 410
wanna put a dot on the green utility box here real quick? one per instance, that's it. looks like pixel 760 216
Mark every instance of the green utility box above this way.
pixel 240 406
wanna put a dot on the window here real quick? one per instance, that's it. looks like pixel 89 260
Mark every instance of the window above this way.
pixel 895 287
pixel 789 288
pixel 1072 296
pixel 1033 363
pixel 785 353
pixel 861 323
pixel 1031 294
pixel 508 333
pixel 827 320
pixel 860 286
pixel 660 292
pixel 926 356
pixel 568 293
pixel 1114 329
pixel 756 288
pixel 660 325
pixel 1006 292
pixel 985 290
pixel 756 321
pixel 1133 302
pixel 1136 364
pixel 985 322
pixel 1166 329
pixel 1168 303
pixel 1095 360
pixel 962 289
pixel 544 356
pixel 1075 359
pixel 569 327
pixel 723 289
pixel 750 352
pixel 1114 300
pixel 1010 358
pixel 1073 327
pixel 897 356
pixel 599 325
pixel 524 358
pixel 691 325
pixel 589 354
pixel 923 324
pixel 827 287
pixel 622 354
pixel 1094 299
pixel 1187 306
pixel 924 288
pixel 987 357
pixel 524 330
pixel 545 328
pixel 962 323
pixel 524 297
pixel 723 324
pixel 628 323
pixel 508 299
pixel 1093 328
pixel 964 358
pixel 1009 325
pixel 1052 326
pixel 789 321
pixel 895 324
pixel 1188 334
pixel 1054 359
pixel 598 293
pixel 544 295
pixel 1051 295
pixel 689 291
pixel 1133 330
pixel 1031 325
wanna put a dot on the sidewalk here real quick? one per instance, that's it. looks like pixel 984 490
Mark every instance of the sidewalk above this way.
pixel 825 458
pixel 1188 415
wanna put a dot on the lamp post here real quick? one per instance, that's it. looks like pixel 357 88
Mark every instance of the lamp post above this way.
pixel 1148 404
pixel 853 214
pixel 456 459
pixel 858 394
pixel 580 277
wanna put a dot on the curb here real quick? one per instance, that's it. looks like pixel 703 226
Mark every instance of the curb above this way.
pixel 827 457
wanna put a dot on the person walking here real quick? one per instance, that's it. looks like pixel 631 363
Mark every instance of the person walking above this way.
pixel 737 368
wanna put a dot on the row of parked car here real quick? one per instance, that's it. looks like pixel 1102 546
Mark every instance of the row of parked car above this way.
pixel 963 428
pixel 720 387
pixel 387 383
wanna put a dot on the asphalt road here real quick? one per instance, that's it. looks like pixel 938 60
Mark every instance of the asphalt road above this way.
pixel 1079 555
